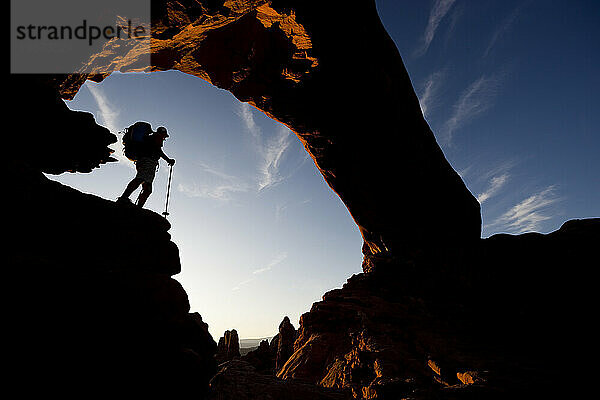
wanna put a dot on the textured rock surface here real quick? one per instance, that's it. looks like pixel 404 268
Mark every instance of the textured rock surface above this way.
pixel 285 342
pixel 93 304
pixel 228 347
pixel 238 380
pixel 90 306
pixel 50 137
pixel 501 321
pixel 262 358
pixel 97 306
pixel 269 358
pixel 310 64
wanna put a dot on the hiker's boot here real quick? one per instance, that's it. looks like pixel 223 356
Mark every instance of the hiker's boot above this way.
pixel 124 201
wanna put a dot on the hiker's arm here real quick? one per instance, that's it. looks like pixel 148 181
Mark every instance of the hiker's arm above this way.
pixel 170 161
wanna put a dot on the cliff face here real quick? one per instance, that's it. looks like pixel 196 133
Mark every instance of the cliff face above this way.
pixel 501 320
pixel 98 306
pixel 437 313
pixel 311 65
pixel 93 305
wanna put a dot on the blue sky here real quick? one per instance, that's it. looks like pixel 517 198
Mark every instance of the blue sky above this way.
pixel 509 88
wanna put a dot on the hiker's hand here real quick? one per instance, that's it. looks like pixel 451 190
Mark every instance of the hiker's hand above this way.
pixel 171 161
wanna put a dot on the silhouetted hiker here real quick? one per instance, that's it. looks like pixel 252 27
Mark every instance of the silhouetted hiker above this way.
pixel 146 164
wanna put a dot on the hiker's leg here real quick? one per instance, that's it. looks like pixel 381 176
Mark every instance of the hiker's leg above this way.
pixel 146 190
pixel 135 182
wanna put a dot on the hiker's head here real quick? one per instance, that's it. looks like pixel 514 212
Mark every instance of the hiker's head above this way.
pixel 162 132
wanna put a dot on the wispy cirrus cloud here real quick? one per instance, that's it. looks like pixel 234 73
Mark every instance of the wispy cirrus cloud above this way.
pixel 247 116
pixel 221 186
pixel 271 150
pixel 428 97
pixel 476 99
pixel 277 259
pixel 243 283
pixel 109 118
pixel 281 209
pixel 217 185
pixel 529 213
pixel 496 183
pixel 221 192
pixel 438 12
pixel 505 26
pixel 108 115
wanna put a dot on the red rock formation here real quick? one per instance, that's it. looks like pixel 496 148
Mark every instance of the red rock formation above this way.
pixel 438 315
pixel 228 347
pixel 238 380
pixel 262 358
pixel 270 358
pixel 96 306
pixel 311 65
pixel 285 342
pixel 93 302
pixel 500 321
pixel 48 136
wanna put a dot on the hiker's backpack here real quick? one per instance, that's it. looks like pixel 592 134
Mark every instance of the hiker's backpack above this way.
pixel 134 138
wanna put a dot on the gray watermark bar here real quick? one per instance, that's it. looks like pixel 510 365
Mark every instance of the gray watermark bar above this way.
pixel 79 36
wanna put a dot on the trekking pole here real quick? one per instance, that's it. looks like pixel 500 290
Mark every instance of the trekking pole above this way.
pixel 166 213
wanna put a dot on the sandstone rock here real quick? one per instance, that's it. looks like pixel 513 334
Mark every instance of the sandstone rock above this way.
pixel 89 301
pixel 470 377
pixel 285 343
pixel 451 327
pixel 99 307
pixel 48 136
pixel 270 358
pixel 262 358
pixel 228 347
pixel 274 344
pixel 309 64
pixel 238 380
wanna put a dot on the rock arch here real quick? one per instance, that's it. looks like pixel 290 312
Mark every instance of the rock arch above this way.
pixel 333 75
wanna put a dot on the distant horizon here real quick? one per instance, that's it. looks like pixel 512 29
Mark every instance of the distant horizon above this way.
pixel 269 338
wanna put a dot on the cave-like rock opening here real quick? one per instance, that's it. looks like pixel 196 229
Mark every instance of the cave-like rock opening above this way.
pixel 348 99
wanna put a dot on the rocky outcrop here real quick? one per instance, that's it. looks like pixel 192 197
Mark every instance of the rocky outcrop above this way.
pixel 49 137
pixel 310 64
pixel 501 321
pixel 262 359
pixel 92 302
pixel 285 342
pixel 269 358
pixel 438 312
pixel 238 380
pixel 228 347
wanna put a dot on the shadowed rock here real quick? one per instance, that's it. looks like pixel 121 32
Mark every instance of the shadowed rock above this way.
pixel 269 358
pixel 98 304
pixel 238 380
pixel 261 358
pixel 438 313
pixel 48 136
pixel 500 321
pixel 339 83
pixel 285 343
pixel 228 347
